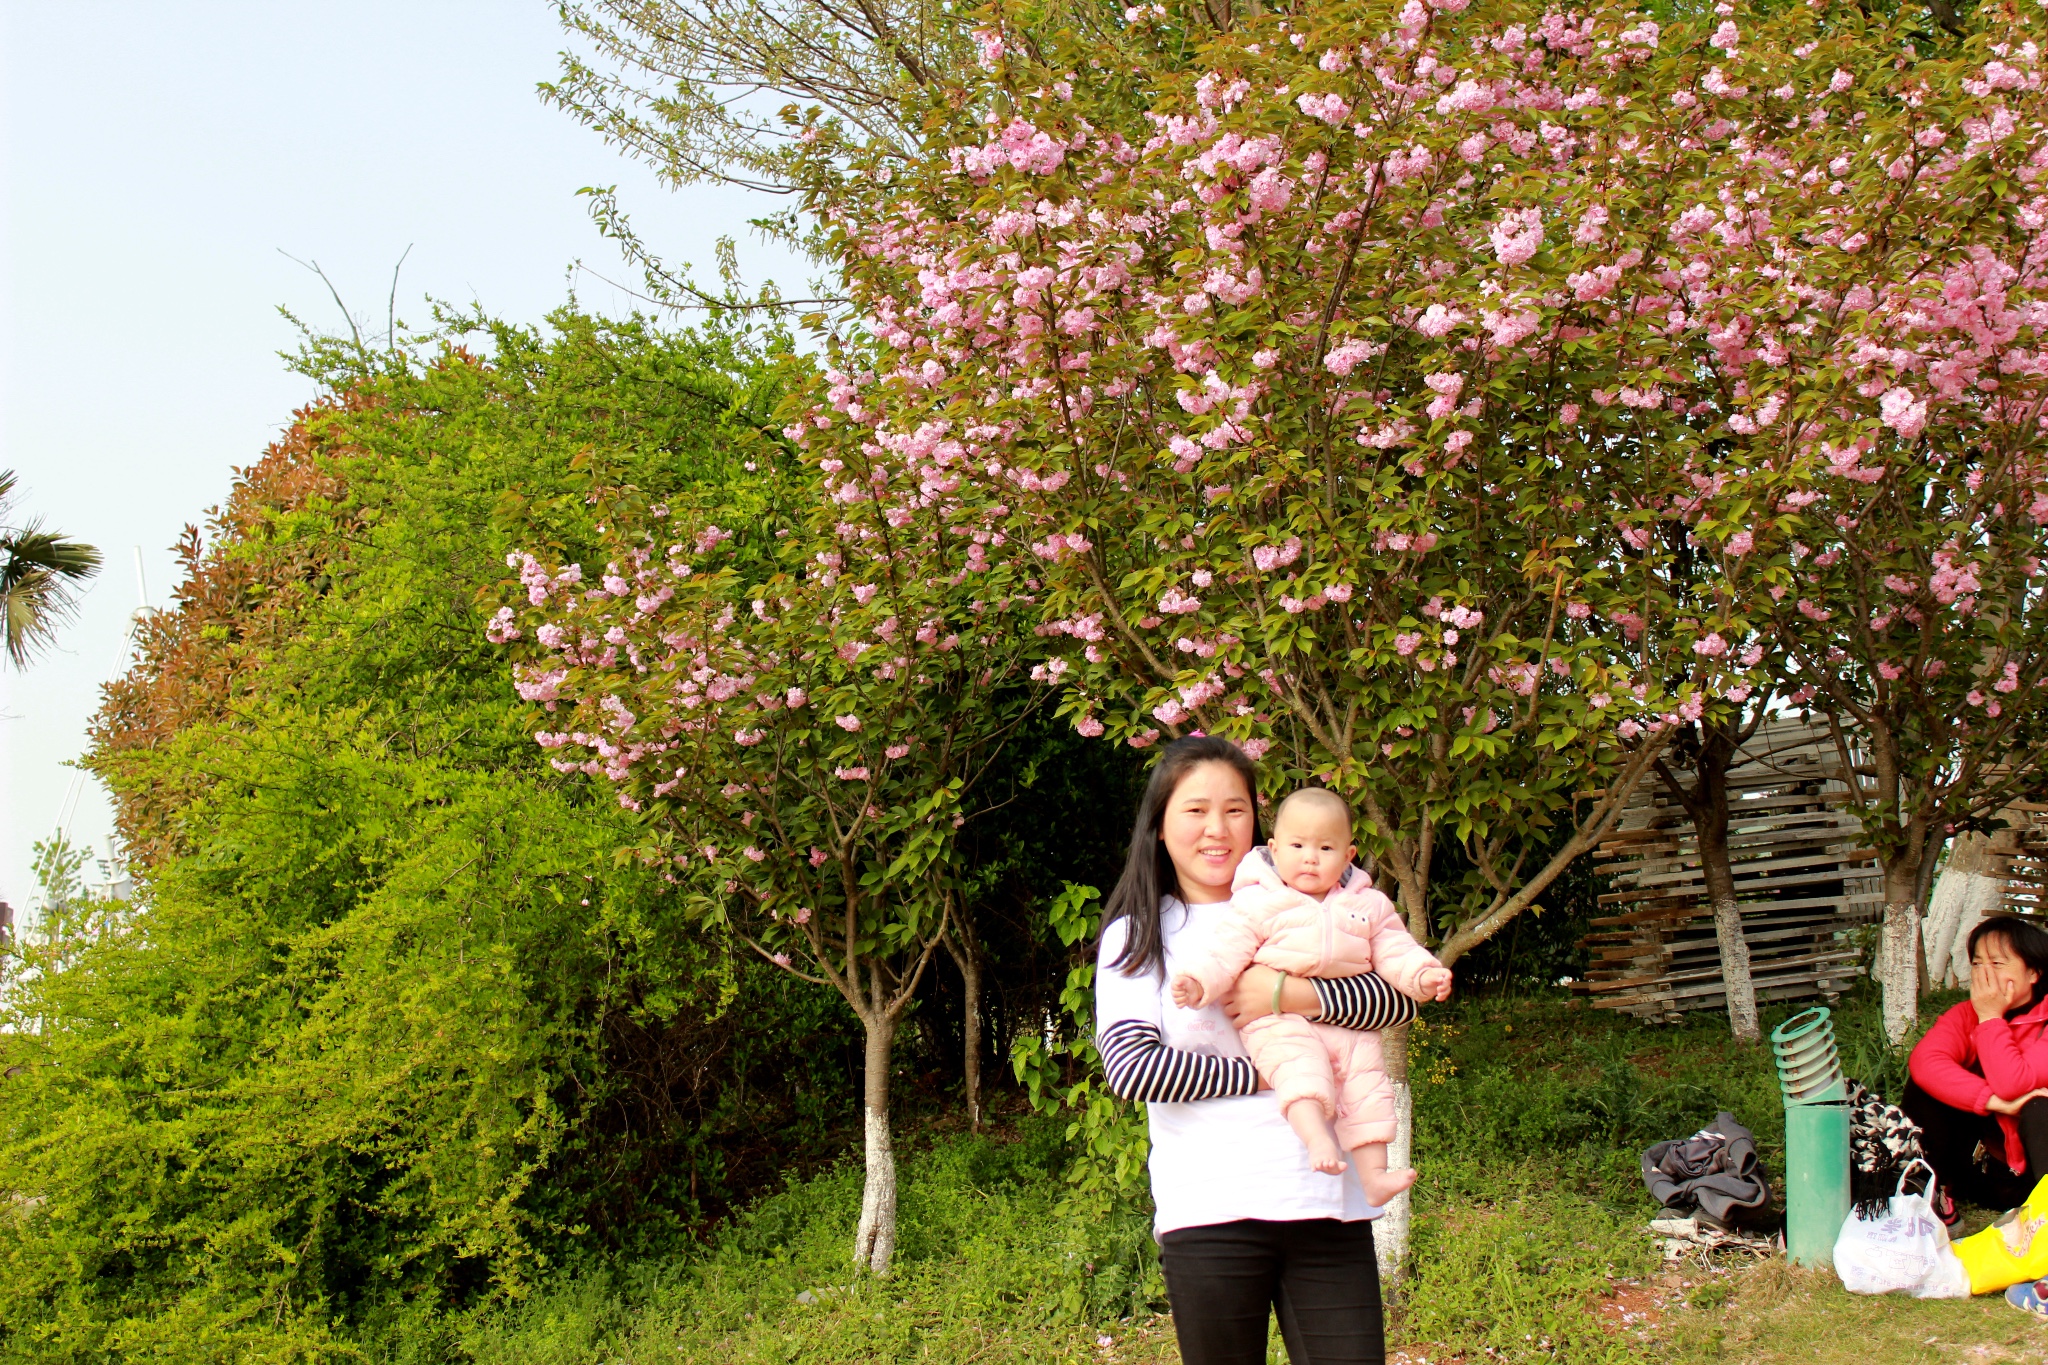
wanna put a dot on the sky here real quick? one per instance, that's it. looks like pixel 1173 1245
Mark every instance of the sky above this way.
pixel 157 161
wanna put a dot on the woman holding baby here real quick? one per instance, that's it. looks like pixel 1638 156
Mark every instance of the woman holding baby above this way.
pixel 1263 1200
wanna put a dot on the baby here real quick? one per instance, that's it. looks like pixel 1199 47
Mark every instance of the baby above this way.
pixel 1301 907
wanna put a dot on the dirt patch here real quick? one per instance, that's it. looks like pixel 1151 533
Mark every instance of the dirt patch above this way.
pixel 1636 1305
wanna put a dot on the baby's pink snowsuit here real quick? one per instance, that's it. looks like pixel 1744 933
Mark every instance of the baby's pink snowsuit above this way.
pixel 1351 931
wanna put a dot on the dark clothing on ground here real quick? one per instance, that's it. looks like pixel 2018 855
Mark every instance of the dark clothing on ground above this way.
pixel 1715 1171
pixel 1320 1275
pixel 1949 1136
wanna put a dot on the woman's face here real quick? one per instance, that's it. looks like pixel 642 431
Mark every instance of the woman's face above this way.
pixel 1207 830
pixel 2008 969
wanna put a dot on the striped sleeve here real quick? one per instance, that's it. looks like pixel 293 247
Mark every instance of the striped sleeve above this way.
pixel 1362 1002
pixel 1138 1065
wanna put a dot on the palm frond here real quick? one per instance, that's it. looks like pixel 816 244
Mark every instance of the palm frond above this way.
pixel 40 575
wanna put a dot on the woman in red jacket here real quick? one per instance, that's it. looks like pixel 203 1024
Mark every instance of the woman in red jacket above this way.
pixel 1980 1076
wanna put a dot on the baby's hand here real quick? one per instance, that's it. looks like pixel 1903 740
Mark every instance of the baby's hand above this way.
pixel 1187 992
pixel 1435 982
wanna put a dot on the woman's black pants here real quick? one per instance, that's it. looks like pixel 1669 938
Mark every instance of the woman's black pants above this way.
pixel 1950 1136
pixel 1321 1276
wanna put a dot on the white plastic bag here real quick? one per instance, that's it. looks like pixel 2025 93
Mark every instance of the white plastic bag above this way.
pixel 1904 1250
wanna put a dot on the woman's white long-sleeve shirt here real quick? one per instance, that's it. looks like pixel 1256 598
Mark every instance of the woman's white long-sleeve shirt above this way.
pixel 1221 1151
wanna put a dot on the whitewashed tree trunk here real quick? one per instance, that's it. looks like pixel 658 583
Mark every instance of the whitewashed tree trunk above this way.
pixel 1711 833
pixel 1390 1230
pixel 874 1241
pixel 1898 955
pixel 1968 890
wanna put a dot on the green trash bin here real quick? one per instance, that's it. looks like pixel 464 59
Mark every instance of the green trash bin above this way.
pixel 1816 1135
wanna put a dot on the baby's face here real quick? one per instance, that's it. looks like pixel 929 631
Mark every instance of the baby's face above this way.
pixel 1311 849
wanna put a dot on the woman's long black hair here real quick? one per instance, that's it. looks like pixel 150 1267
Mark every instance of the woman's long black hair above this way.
pixel 1148 873
pixel 2028 940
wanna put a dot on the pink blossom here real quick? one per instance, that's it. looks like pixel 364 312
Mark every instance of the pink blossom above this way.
pixel 753 854
pixel 749 737
pixel 1447 387
pixel 1517 236
pixel 850 774
pixel 1178 603
pixel 1143 741
pixel 1345 358
pixel 1330 108
pixel 847 722
pixel 1898 411
pixel 1255 749
pixel 1271 557
pixel 818 857
pixel 1089 727
pixel 1711 647
pixel 779 959
pixel 896 750
pixel 1436 320
pixel 1740 544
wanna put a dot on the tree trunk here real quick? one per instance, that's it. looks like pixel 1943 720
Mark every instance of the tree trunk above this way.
pixel 1712 837
pixel 966 952
pixel 874 1242
pixel 1971 886
pixel 1390 1230
pixel 1898 950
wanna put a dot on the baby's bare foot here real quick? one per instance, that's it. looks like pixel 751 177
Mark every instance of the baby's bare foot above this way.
pixel 1327 1157
pixel 1381 1186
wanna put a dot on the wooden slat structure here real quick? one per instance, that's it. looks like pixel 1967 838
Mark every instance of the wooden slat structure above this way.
pixel 2024 844
pixel 1800 871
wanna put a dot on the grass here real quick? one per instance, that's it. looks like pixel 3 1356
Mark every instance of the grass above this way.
pixel 985 1270
pixel 1530 1239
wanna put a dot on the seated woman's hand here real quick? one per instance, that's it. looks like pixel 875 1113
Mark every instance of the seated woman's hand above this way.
pixel 1993 994
pixel 2013 1106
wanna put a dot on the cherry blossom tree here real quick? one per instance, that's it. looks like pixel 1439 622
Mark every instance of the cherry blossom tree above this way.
pixel 1865 279
pixel 803 733
pixel 1319 383
pixel 1304 387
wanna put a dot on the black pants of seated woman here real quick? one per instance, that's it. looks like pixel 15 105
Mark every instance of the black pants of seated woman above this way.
pixel 1320 1276
pixel 1950 1136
